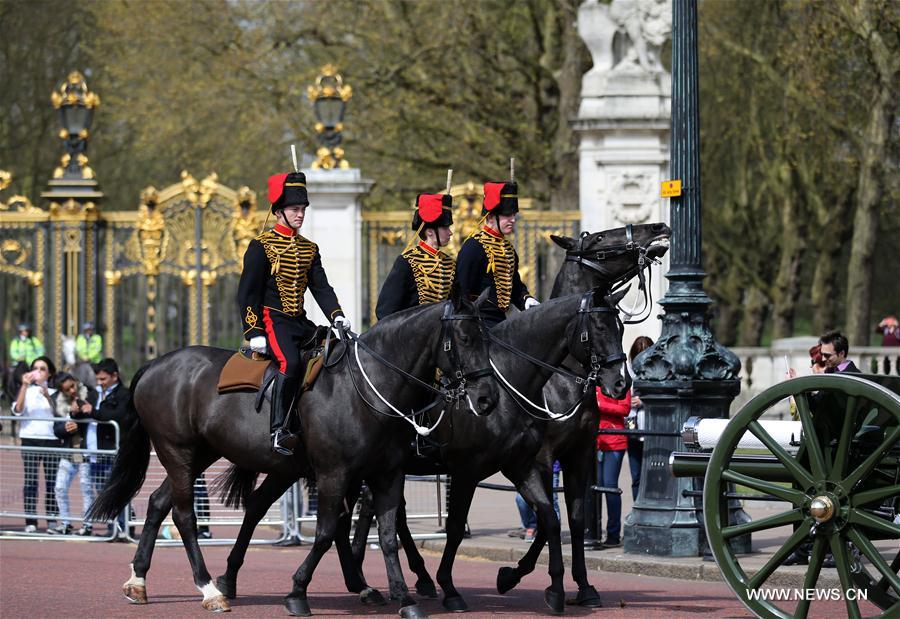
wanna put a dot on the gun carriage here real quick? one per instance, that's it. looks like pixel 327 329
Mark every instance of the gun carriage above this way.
pixel 837 471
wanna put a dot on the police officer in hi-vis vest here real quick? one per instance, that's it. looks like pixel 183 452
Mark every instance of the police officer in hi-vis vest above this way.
pixel 422 273
pixel 279 266
pixel 488 260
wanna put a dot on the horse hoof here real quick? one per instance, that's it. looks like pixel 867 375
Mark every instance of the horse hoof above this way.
pixel 372 597
pixel 135 594
pixel 426 589
pixel 227 587
pixel 217 604
pixel 413 612
pixel 455 604
pixel 297 607
pixel 507 579
pixel 556 602
pixel 588 597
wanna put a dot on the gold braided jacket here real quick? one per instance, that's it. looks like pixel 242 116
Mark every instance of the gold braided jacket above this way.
pixel 433 273
pixel 501 263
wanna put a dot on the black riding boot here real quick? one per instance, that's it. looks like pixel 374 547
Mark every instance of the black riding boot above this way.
pixel 283 392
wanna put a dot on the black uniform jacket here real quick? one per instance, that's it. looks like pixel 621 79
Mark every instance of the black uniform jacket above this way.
pixel 420 275
pixel 487 259
pixel 278 268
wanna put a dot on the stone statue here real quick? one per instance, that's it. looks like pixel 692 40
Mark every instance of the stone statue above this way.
pixel 642 25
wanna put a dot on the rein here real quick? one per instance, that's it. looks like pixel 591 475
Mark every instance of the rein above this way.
pixel 594 263
pixel 587 382
pixel 451 391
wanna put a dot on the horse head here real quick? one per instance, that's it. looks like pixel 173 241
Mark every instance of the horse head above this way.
pixel 595 340
pixel 463 357
pixel 605 258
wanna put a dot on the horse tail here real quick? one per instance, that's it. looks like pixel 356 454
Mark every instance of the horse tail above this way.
pixel 234 486
pixel 129 468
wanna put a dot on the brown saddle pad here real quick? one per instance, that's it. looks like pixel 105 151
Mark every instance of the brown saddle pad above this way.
pixel 242 373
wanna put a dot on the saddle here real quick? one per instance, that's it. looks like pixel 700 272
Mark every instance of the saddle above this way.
pixel 252 372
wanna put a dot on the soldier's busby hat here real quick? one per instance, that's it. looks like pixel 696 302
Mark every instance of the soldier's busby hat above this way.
pixel 433 210
pixel 287 190
pixel 500 198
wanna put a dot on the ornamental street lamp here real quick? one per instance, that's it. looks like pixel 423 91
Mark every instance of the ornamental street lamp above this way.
pixel 76 112
pixel 329 97
pixel 686 373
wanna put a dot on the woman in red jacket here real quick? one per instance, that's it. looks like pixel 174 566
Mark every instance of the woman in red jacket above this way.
pixel 610 453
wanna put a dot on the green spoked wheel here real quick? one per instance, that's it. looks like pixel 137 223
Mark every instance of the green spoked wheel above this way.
pixel 842 498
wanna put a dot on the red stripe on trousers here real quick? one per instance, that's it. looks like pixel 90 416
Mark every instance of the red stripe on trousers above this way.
pixel 273 341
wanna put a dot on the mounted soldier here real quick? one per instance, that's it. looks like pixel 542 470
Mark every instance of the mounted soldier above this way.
pixel 488 260
pixel 279 266
pixel 423 273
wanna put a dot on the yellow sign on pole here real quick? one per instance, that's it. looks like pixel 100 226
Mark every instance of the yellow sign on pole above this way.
pixel 671 189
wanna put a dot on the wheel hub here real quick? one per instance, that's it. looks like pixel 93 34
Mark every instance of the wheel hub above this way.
pixel 821 508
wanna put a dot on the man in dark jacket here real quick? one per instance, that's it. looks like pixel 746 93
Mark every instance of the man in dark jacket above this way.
pixel 112 406
pixel 488 260
pixel 279 267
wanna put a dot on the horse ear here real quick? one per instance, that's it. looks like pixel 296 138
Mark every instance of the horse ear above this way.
pixel 565 242
pixel 614 298
pixel 456 297
pixel 482 298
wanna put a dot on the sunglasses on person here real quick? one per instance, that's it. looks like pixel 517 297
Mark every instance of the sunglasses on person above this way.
pixel 827 355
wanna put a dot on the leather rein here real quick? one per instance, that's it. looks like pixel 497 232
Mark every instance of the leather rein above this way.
pixel 587 382
pixel 452 389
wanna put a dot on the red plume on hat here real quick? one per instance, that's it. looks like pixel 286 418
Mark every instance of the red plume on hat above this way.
pixel 430 206
pixel 492 193
pixel 276 187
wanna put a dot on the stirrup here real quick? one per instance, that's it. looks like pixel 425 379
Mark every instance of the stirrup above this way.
pixel 284 442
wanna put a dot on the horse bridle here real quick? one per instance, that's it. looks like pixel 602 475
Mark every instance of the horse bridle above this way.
pixel 452 388
pixel 595 361
pixel 592 260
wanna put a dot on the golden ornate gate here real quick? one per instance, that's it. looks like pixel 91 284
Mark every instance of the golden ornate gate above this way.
pixel 171 268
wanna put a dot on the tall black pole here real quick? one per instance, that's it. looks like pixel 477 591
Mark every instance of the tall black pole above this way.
pixel 686 373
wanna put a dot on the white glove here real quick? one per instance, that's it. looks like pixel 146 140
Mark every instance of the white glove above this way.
pixel 531 302
pixel 258 344
pixel 342 322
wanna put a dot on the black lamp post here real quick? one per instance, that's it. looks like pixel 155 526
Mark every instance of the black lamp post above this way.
pixel 76 112
pixel 329 97
pixel 686 373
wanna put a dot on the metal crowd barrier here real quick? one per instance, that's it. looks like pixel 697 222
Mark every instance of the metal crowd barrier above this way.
pixel 218 524
pixel 52 467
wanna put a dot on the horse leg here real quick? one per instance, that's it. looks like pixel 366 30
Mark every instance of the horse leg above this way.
pixel 388 495
pixel 331 493
pixel 354 579
pixel 509 577
pixel 534 491
pixel 577 471
pixel 135 588
pixel 258 503
pixel 363 526
pixel 424 584
pixel 182 479
pixel 461 492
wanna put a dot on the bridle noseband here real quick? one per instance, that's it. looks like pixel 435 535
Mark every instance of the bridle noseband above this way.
pixel 595 363
pixel 455 386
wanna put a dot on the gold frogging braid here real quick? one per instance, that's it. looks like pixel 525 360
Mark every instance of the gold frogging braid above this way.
pixel 501 261
pixel 291 258
pixel 433 274
pixel 251 319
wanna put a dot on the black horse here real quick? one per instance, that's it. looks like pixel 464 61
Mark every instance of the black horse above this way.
pixel 191 426
pixel 601 259
pixel 622 251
